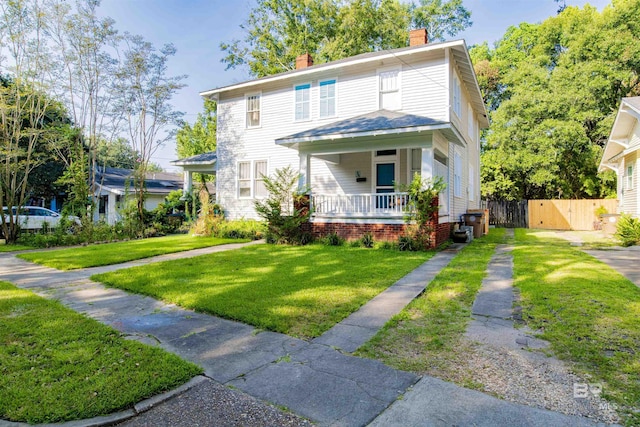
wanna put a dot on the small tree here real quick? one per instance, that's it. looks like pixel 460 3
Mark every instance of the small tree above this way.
pixel 283 214
pixel 421 210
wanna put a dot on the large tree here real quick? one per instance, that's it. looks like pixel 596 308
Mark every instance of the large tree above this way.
pixel 553 89
pixel 82 45
pixel 144 93
pixel 25 108
pixel 277 31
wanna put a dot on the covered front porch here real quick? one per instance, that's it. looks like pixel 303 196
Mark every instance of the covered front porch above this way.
pixel 355 169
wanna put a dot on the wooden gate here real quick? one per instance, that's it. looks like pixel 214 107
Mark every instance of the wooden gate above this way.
pixel 507 213
pixel 567 214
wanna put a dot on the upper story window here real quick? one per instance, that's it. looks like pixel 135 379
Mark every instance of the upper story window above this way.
pixel 389 87
pixel 253 102
pixel 328 98
pixel 303 102
pixel 457 96
pixel 629 180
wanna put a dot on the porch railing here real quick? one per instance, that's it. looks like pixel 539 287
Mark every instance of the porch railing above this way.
pixel 380 204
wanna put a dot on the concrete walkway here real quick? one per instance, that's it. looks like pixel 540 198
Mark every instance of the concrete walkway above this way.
pixel 316 379
pixel 623 260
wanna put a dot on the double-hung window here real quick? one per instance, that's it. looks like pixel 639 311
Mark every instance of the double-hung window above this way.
pixel 260 171
pixel 251 179
pixel 472 184
pixel 303 102
pixel 457 95
pixel 244 180
pixel 327 98
pixel 457 175
pixel 253 110
pixel 629 178
pixel 416 162
pixel 389 87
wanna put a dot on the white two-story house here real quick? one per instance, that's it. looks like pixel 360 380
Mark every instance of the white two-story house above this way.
pixel 354 129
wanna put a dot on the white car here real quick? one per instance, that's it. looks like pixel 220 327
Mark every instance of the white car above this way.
pixel 33 217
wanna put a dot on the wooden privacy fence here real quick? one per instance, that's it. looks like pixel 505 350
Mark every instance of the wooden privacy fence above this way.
pixel 567 214
pixel 507 213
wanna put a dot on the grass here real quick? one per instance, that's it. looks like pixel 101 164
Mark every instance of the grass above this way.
pixel 297 290
pixel 10 248
pixel 116 253
pixel 587 311
pixel 57 365
pixel 425 337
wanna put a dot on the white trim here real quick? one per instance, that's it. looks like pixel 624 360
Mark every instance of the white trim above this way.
pixel 335 98
pixel 295 101
pixel 246 109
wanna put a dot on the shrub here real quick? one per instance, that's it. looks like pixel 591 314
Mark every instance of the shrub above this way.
pixel 333 239
pixel 284 209
pixel 628 230
pixel 421 211
pixel 367 240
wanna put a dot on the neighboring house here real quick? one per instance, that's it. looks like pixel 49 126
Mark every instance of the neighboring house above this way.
pixel 621 154
pixel 355 128
pixel 115 183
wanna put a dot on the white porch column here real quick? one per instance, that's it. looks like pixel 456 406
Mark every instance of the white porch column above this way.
pixel 426 168
pixel 305 171
pixel 111 211
pixel 188 182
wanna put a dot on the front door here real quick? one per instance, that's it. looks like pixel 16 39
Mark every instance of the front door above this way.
pixel 385 178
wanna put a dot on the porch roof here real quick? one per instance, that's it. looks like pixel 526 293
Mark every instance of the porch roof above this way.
pixel 199 159
pixel 381 122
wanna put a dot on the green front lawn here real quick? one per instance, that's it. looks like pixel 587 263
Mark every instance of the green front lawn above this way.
pixel 10 248
pixel 426 336
pixel 57 365
pixel 116 253
pixel 589 313
pixel 297 290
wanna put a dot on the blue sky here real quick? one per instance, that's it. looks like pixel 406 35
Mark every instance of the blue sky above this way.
pixel 197 27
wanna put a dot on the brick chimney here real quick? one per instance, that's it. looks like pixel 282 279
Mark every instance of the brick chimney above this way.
pixel 303 61
pixel 418 37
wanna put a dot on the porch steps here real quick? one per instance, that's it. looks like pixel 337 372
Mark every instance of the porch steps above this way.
pixel 362 325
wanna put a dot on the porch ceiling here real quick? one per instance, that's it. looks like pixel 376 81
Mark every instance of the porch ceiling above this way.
pixel 383 124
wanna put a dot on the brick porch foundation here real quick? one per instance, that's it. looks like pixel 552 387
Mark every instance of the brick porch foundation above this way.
pixel 384 232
